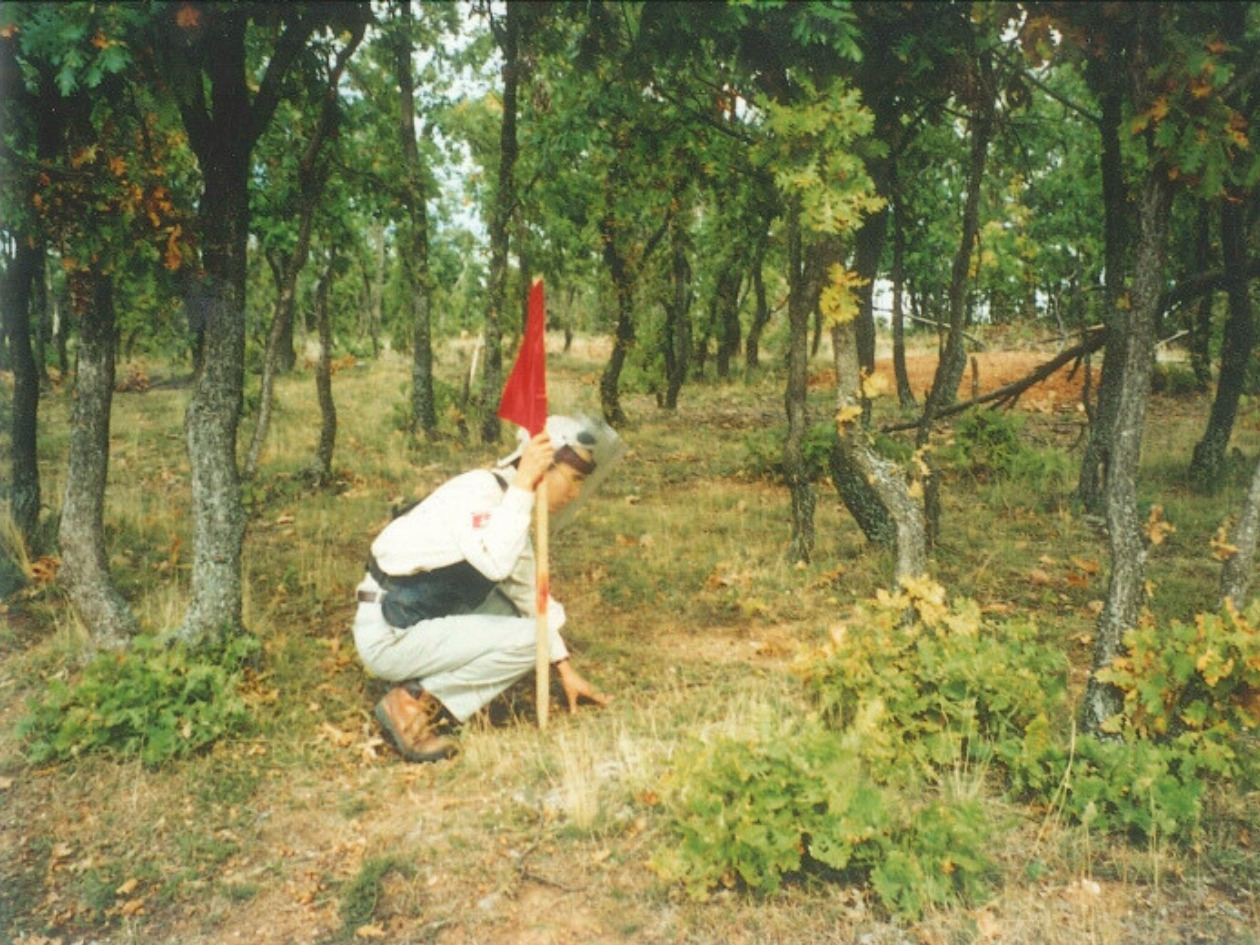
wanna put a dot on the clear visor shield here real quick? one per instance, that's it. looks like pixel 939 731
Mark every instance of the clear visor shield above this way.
pixel 589 435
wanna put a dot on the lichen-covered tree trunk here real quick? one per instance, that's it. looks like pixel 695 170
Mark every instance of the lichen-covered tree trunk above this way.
pixel 1207 467
pixel 508 37
pixel 879 496
pixel 1236 573
pixel 85 564
pixel 210 425
pixel 1126 536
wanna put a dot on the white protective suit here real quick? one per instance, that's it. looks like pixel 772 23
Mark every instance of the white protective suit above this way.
pixel 463 660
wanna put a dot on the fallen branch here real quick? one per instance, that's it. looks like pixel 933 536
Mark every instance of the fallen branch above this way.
pixel 1007 395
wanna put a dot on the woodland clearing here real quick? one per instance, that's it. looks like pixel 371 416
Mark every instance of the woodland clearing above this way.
pixel 310 830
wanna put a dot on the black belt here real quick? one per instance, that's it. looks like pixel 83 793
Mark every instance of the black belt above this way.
pixel 370 597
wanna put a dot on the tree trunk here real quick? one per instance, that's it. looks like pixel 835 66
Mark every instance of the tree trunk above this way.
pixel 1096 457
pixel 1125 533
pixel 676 333
pixel 953 360
pixel 1207 467
pixel 761 308
pixel 905 395
pixel 211 418
pixel 85 564
pixel 624 336
pixel 508 37
pixel 1236 573
pixel 726 314
pixel 287 271
pixel 870 247
pixel 223 114
pixel 880 498
pixel 802 299
pixel 22 269
pixel 417 279
pixel 323 376
pixel 373 287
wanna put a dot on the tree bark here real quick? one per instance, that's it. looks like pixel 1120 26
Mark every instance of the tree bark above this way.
pixel 507 35
pixel 953 360
pixel 676 332
pixel 323 376
pixel 726 314
pixel 85 565
pixel 23 268
pixel 222 132
pixel 1236 572
pixel 1096 457
pixel 886 504
pixel 17 106
pixel 761 307
pixel 417 279
pixel 624 335
pixel 1125 533
pixel 905 395
pixel 1207 467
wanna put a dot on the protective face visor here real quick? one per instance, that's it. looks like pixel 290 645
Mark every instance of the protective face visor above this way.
pixel 588 445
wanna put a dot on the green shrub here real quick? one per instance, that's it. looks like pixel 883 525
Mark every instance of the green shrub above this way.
pixel 152 702
pixel 1142 789
pixel 1196 682
pixel 756 810
pixel 987 442
pixel 916 680
pixel 938 858
pixel 794 800
pixel 1174 380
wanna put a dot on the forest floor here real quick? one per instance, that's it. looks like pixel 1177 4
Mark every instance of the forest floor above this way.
pixel 310 830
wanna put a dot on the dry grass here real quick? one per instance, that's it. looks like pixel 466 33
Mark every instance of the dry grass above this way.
pixel 679 602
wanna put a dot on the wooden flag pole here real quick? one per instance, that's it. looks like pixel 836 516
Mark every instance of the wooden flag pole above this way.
pixel 542 588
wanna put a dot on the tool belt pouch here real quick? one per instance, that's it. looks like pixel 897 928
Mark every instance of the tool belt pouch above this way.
pixel 455 589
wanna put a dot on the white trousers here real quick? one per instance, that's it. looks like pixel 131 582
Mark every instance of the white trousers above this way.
pixel 463 661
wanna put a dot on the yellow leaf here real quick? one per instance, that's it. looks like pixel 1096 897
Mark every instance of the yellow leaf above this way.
pixel 1156 528
pixel 846 415
pixel 838 302
pixel 873 385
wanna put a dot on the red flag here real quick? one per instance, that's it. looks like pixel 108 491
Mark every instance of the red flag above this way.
pixel 524 400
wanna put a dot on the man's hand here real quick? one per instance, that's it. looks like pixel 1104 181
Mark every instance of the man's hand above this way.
pixel 535 460
pixel 576 688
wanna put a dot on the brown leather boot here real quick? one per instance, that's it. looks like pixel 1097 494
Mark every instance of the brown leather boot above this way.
pixel 409 722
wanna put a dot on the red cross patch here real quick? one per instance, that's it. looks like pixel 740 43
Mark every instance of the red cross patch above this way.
pixel 480 519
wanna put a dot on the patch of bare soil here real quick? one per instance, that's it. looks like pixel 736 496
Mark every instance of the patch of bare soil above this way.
pixel 988 371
